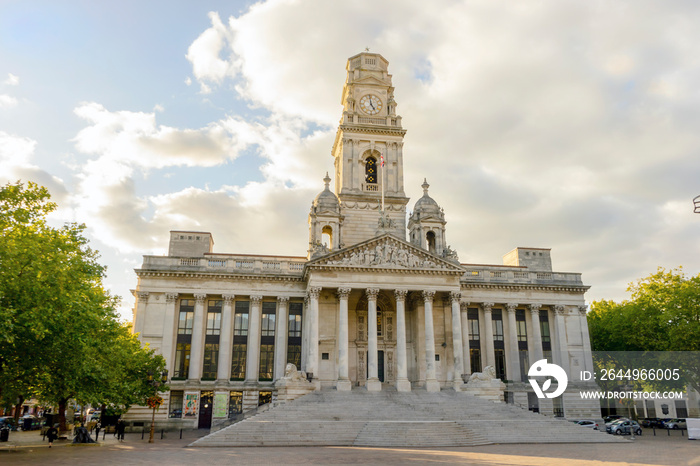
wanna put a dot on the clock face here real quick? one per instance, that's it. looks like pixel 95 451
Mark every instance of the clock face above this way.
pixel 370 104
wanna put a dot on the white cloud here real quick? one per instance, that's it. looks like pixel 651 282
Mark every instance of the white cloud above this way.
pixel 7 101
pixel 11 80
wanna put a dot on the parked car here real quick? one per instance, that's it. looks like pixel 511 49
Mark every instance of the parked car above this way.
pixel 676 424
pixel 608 423
pixel 626 426
pixel 8 421
pixel 587 423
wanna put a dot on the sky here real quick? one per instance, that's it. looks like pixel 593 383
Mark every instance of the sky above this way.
pixel 555 124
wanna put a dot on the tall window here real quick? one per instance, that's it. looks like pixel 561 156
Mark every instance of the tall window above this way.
pixel 474 340
pixel 371 170
pixel 211 340
pixel 546 338
pixel 294 334
pixel 267 340
pixel 184 339
pixel 523 357
pixel 235 404
pixel 175 404
pixel 430 239
pixel 379 322
pixel 498 343
pixel 240 340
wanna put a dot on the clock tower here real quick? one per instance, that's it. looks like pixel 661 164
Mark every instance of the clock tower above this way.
pixel 368 153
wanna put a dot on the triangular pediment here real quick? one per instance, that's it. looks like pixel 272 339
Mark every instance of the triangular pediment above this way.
pixel 386 252
pixel 371 80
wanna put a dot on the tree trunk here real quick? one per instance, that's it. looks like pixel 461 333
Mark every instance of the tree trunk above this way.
pixel 62 414
pixel 18 407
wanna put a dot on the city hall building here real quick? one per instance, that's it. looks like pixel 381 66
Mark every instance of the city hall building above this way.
pixel 378 301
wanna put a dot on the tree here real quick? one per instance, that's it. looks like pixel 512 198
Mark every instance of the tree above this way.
pixel 60 337
pixel 662 315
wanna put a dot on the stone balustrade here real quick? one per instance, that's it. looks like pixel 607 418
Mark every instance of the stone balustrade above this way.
pixel 227 263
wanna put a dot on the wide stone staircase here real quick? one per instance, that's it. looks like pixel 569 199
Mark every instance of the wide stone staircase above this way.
pixel 392 419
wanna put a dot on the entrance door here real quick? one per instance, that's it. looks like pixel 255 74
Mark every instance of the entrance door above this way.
pixel 380 365
pixel 206 402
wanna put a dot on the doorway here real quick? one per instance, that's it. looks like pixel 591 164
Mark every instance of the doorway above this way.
pixel 206 402
pixel 380 365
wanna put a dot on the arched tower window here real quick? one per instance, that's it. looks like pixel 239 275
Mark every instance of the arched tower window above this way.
pixel 371 170
pixel 327 236
pixel 430 238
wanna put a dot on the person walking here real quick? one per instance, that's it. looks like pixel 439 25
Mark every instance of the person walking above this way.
pixel 52 434
pixel 120 430
pixel 98 426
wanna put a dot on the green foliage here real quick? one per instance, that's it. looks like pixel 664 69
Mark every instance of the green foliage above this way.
pixel 60 336
pixel 662 314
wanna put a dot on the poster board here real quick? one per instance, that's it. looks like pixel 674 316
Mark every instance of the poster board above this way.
pixel 190 404
pixel 221 404
pixel 693 428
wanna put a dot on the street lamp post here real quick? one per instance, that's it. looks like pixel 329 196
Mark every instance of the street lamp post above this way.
pixel 156 383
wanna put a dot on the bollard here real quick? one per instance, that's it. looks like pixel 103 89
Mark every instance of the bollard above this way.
pixel 669 431
pixel 180 434
pixel 654 429
pixel 682 434
pixel 103 434
pixel 161 434
pixel 143 431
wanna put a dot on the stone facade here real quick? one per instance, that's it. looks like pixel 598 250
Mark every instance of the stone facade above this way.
pixel 367 306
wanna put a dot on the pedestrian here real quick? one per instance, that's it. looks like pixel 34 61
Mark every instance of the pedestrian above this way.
pixel 97 430
pixel 52 434
pixel 120 430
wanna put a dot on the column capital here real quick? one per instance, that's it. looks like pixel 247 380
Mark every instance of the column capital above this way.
pixel 400 295
pixel 510 307
pixel 343 293
pixel 583 310
pixel 372 293
pixel 171 297
pixel 464 305
pixel 487 306
pixel 283 299
pixel 314 292
pixel 142 294
pixel 200 297
pixel 535 308
pixel 228 298
pixel 256 298
pixel 428 295
pixel 455 296
pixel 559 309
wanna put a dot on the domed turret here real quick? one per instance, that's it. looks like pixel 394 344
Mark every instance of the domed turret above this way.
pixel 426 205
pixel 326 201
pixel 324 222
pixel 426 226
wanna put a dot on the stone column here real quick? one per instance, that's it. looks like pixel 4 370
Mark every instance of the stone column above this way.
pixel 252 362
pixel 488 336
pixel 140 315
pixel 223 371
pixel 587 355
pixel 431 383
pixel 312 362
pixel 562 353
pixel 197 346
pixel 466 355
pixel 457 348
pixel 343 383
pixel 402 382
pixel 281 337
pixel 512 366
pixel 535 333
pixel 373 383
pixel 169 330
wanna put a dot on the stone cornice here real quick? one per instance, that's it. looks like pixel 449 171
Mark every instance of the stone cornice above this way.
pixel 219 276
pixel 371 129
pixel 526 286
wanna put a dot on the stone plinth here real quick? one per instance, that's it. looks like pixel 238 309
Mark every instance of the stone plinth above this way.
pixel 485 385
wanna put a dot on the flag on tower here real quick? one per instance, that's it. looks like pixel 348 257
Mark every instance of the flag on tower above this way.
pixel 382 156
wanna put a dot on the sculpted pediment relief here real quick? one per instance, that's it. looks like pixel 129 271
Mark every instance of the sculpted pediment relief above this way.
pixel 386 252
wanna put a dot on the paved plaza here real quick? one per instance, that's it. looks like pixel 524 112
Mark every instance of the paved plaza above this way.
pixel 28 448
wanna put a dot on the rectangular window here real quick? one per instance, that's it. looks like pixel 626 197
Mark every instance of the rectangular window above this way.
pixel 268 319
pixel 186 317
pixel 651 408
pixel 497 323
pixel 182 360
pixel 235 404
pixel 294 334
pixel 214 317
pixel 267 359
pixel 522 327
pixel 524 364
pixel 379 323
pixel 211 358
pixel 475 357
pixel 473 322
pixel 240 321
pixel 238 361
pixel 175 404
pixel 558 403
pixel 681 408
pixel 544 329
pixel 500 356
